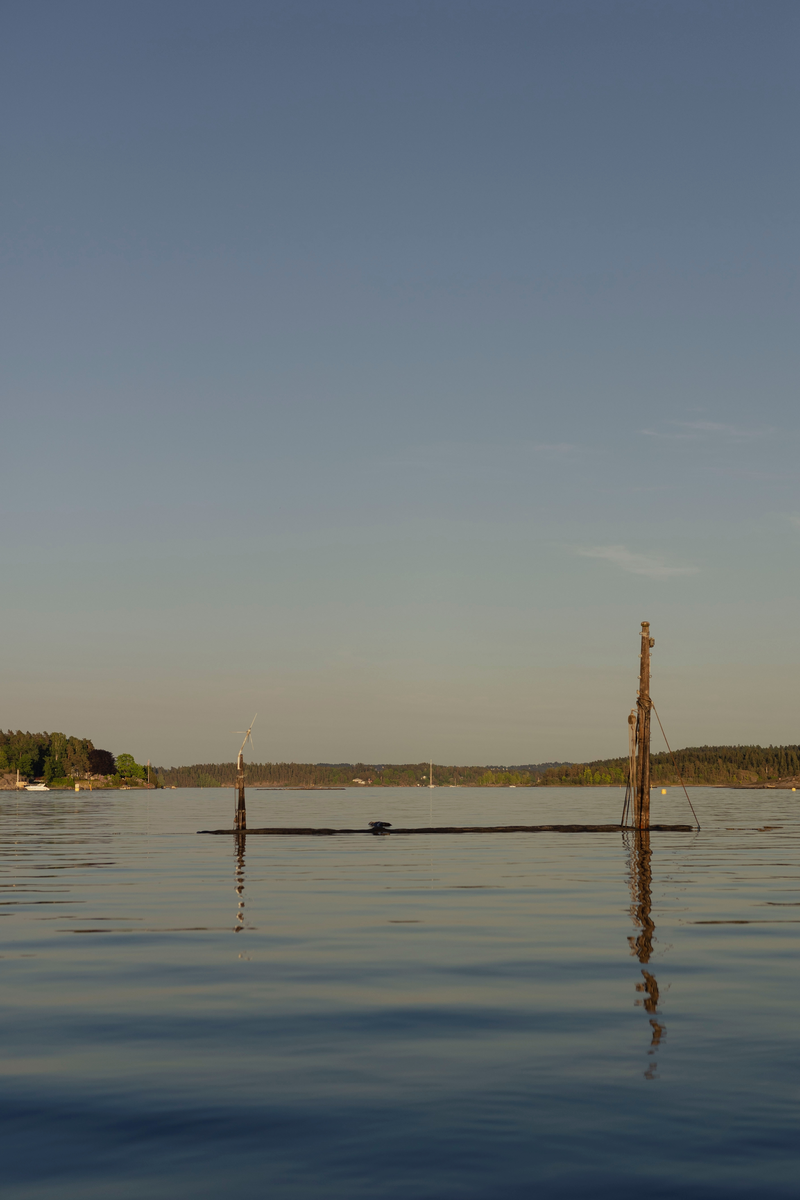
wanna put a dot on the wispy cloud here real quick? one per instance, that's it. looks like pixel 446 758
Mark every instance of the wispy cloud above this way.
pixel 636 564
pixel 672 437
pixel 554 449
pixel 731 431
pixel 695 431
pixel 437 454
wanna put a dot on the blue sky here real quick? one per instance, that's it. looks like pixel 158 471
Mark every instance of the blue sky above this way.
pixel 379 367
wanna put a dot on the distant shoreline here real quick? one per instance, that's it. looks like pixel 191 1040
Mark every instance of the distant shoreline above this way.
pixel 741 767
pixel 787 786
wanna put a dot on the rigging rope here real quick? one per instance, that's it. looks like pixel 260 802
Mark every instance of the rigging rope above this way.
pixel 625 804
pixel 631 785
pixel 675 765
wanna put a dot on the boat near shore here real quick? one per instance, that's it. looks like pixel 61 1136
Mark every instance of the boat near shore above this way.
pixel 36 787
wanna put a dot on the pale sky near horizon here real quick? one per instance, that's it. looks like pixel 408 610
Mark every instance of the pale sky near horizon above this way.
pixel 379 366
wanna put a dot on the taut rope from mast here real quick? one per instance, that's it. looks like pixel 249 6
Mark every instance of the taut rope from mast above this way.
pixel 675 765
pixel 631 786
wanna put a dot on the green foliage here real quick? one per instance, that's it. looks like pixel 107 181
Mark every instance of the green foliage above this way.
pixel 59 759
pixel 710 766
pixel 49 754
pixel 340 775
pixel 707 765
pixel 55 764
pixel 24 752
pixel 501 778
pixel 128 768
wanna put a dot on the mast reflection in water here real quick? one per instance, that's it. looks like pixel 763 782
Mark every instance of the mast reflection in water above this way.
pixel 637 842
pixel 641 879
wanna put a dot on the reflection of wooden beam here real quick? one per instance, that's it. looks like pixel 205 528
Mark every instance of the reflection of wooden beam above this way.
pixel 305 831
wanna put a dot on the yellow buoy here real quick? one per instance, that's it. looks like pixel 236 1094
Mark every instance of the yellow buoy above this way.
pixel 663 791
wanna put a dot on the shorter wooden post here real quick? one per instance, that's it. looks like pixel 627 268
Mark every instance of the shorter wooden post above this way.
pixel 240 821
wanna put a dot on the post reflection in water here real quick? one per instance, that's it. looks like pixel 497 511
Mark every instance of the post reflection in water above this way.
pixel 641 879
pixel 637 842
pixel 241 838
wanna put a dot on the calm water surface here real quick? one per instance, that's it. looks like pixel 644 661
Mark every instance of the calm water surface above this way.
pixel 432 1018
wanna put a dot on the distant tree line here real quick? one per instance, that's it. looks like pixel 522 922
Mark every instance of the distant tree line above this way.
pixel 59 759
pixel 709 766
pixel 728 766
pixel 55 757
pixel 340 775
pixel 51 756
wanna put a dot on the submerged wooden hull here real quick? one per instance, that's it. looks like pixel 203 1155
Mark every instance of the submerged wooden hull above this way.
pixel 305 831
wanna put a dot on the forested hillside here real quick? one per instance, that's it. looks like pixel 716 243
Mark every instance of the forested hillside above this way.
pixel 338 775
pixel 731 766
pixel 54 756
pixel 51 755
pixel 728 766
pixel 61 761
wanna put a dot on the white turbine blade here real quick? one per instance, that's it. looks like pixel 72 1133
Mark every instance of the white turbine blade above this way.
pixel 247 735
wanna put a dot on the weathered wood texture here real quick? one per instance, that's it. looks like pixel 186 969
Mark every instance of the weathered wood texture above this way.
pixel 305 831
pixel 240 817
pixel 641 807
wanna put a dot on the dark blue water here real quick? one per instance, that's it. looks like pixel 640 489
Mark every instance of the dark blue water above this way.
pixel 459 1017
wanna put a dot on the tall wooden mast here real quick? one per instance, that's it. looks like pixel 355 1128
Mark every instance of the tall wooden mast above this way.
pixel 641 804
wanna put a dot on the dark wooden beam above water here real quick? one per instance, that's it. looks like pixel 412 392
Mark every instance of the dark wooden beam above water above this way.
pixel 305 831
